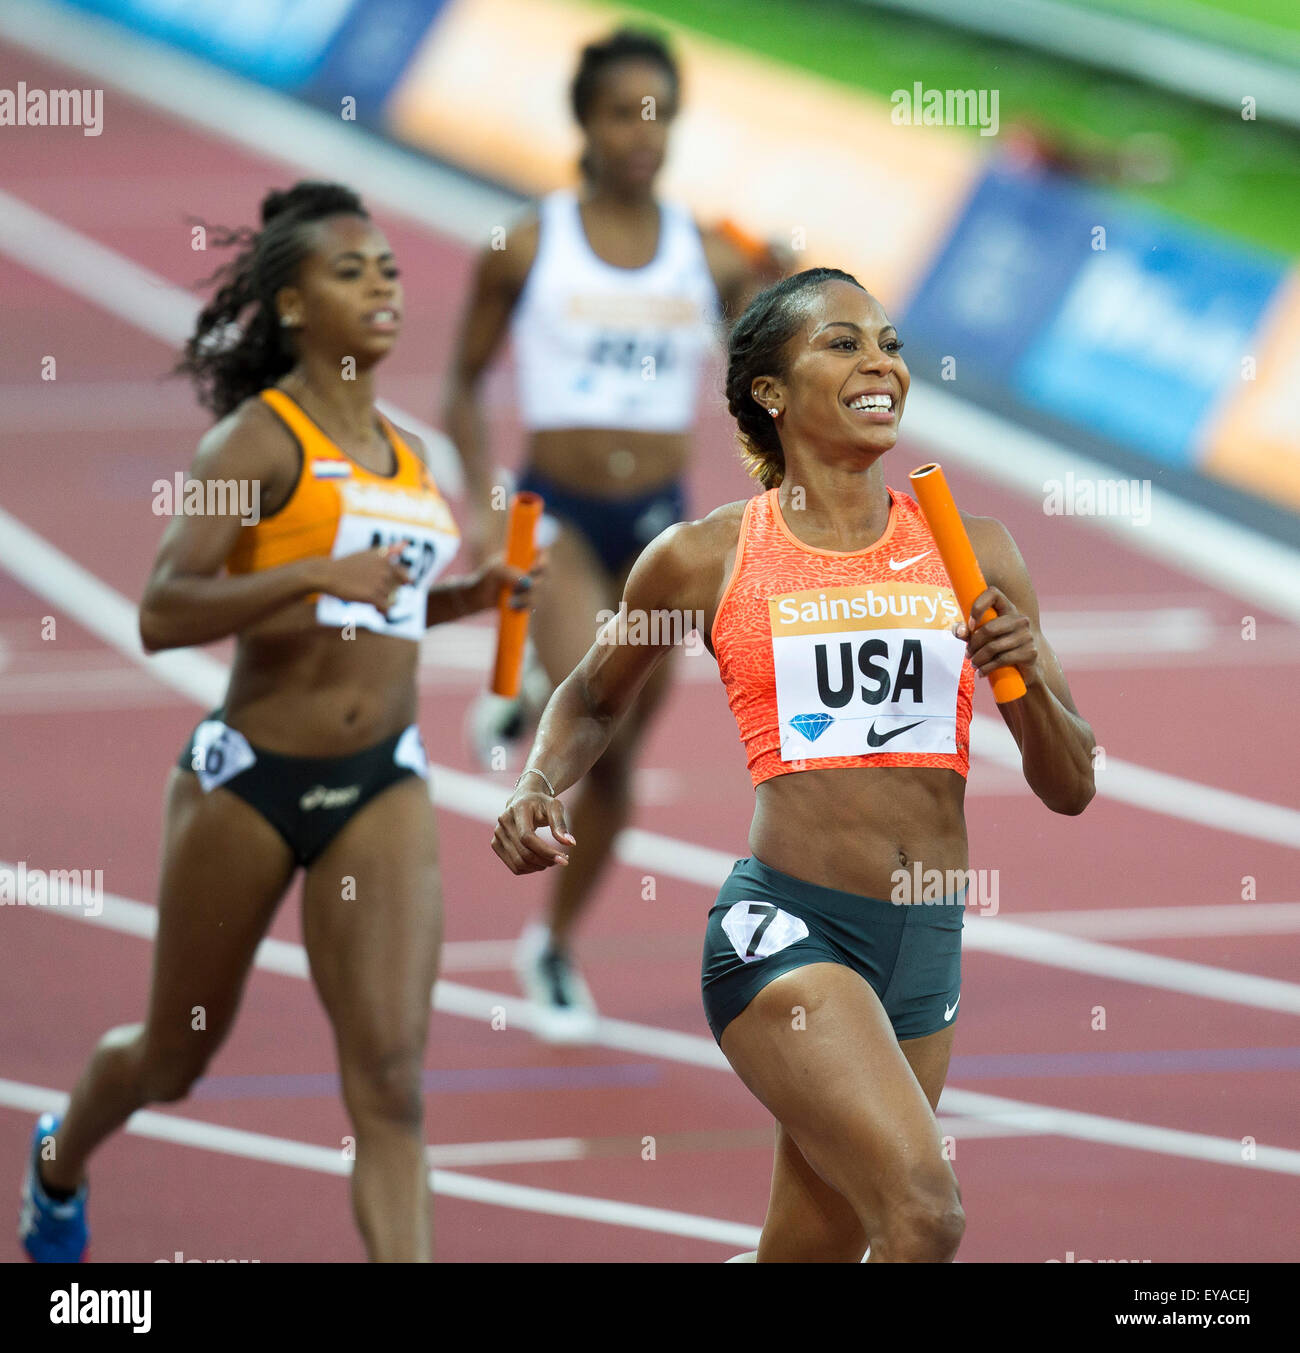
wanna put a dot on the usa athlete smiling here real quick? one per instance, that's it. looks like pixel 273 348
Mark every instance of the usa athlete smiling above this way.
pixel 836 1007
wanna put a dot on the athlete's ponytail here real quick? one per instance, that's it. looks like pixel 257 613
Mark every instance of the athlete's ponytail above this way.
pixel 239 346
pixel 755 349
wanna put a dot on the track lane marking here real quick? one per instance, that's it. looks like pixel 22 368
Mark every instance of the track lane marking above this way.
pixel 290 960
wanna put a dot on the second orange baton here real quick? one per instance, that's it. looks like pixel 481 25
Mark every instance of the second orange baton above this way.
pixel 944 521
pixel 512 625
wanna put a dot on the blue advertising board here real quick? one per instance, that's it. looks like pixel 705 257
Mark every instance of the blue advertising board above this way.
pixel 369 52
pixel 323 48
pixel 1083 306
pixel 1150 333
pixel 1000 276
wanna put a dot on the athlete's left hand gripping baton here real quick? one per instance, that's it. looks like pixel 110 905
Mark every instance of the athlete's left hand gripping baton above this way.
pixel 944 521
pixel 512 624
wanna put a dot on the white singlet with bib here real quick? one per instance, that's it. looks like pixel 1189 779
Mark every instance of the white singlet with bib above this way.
pixel 608 347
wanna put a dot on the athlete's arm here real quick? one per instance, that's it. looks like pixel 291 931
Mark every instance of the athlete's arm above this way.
pixel 1056 744
pixel 468 593
pixel 678 574
pixel 185 602
pixel 498 281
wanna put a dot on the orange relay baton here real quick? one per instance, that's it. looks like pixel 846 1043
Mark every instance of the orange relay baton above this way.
pixel 944 521
pixel 512 626
pixel 753 248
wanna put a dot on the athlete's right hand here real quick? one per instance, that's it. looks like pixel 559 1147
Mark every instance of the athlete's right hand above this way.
pixel 369 575
pixel 515 839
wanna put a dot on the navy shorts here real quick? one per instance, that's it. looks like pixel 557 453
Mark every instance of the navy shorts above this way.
pixel 766 923
pixel 307 799
pixel 618 529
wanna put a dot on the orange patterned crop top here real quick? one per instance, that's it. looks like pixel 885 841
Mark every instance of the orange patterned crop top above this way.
pixel 338 507
pixel 835 658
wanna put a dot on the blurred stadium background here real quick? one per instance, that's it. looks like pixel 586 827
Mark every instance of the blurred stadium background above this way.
pixel 1100 281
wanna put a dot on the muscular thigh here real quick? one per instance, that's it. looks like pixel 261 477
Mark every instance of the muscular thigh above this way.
pixel 929 1057
pixel 224 870
pixel 816 1047
pixel 372 919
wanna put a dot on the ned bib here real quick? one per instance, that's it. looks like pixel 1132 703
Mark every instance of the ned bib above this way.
pixel 338 507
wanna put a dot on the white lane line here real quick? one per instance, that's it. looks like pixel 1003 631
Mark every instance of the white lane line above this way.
pixel 458 1155
pixel 330 1160
pixel 110 280
pixel 1139 1136
pixel 1229 556
pixel 1158 791
pixel 290 960
pixel 1010 939
pixel 1158 923
pixel 1226 555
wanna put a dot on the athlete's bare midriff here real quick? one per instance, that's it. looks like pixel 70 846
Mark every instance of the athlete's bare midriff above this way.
pixel 851 829
pixel 844 828
pixel 304 690
pixel 608 462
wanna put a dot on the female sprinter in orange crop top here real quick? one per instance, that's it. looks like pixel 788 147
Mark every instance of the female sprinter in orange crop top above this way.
pixel 840 644
pixel 315 759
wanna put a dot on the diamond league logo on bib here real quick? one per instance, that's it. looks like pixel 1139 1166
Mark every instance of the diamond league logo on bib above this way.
pixel 866 671
pixel 811 726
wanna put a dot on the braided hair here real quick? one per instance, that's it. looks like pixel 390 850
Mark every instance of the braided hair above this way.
pixel 231 355
pixel 771 319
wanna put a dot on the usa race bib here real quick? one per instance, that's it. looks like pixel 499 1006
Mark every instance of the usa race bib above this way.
pixel 376 516
pixel 866 671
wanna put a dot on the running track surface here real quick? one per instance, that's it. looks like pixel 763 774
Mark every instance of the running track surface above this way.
pixel 89 737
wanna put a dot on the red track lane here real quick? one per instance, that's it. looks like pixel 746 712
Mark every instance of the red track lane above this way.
pixel 85 774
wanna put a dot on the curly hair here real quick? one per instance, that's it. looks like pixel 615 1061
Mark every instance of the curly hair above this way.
pixel 755 349
pixel 233 354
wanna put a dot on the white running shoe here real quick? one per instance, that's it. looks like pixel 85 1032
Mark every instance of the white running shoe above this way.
pixel 562 1008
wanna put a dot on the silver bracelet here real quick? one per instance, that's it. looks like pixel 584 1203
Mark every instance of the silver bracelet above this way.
pixel 532 770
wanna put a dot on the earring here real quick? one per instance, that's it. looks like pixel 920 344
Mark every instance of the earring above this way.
pixel 287 320
pixel 774 412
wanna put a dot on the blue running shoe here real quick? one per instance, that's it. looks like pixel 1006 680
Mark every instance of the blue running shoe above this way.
pixel 52 1233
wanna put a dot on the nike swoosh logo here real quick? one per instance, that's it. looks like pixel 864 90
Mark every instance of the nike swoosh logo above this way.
pixel 950 1010
pixel 905 562
pixel 875 739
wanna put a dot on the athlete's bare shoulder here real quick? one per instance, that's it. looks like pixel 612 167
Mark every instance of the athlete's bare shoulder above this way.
pixel 993 545
pixel 708 539
pixel 252 435
pixel 251 443
pixel 683 567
